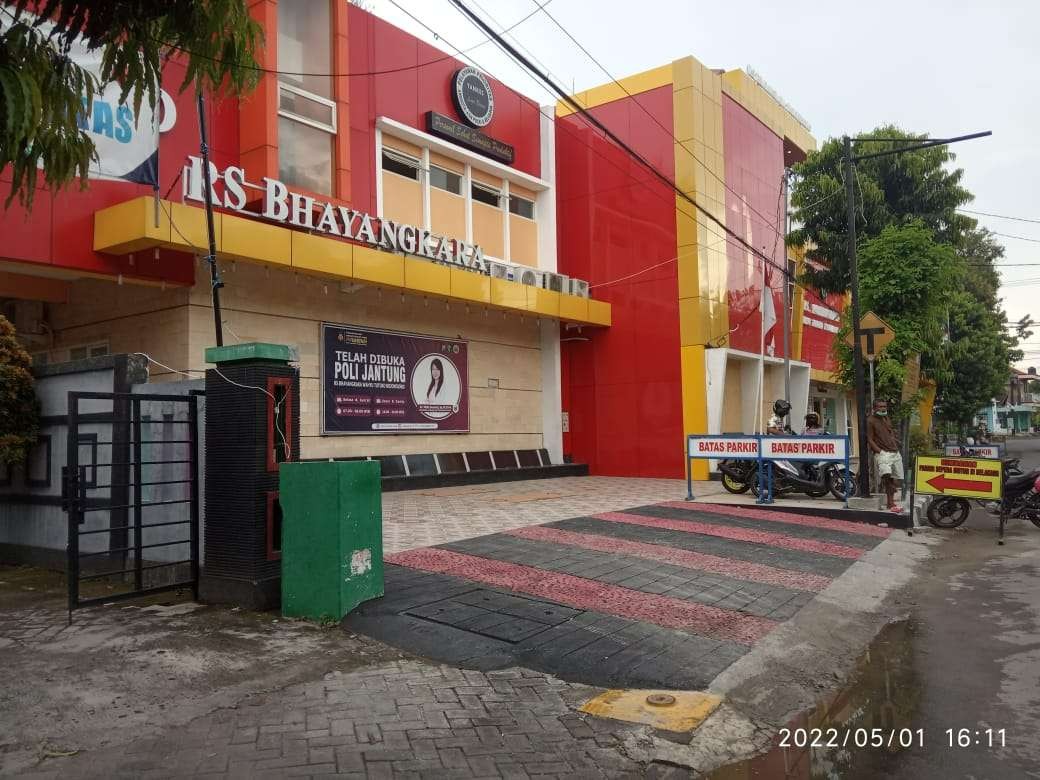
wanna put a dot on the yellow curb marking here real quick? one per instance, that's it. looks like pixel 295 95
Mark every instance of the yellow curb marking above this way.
pixel 689 710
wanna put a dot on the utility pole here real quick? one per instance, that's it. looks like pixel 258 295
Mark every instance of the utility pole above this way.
pixel 211 258
pixel 788 314
pixel 857 348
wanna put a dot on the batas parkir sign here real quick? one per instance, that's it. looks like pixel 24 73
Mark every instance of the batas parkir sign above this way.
pixel 279 204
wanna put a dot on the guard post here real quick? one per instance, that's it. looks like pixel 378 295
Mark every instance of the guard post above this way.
pixel 252 427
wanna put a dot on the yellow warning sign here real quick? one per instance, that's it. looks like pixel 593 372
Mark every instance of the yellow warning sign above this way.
pixel 964 477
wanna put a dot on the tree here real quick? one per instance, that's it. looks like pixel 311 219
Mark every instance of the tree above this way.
pixel 43 92
pixel 980 251
pixel 19 410
pixel 890 191
pixel 979 353
pixel 906 278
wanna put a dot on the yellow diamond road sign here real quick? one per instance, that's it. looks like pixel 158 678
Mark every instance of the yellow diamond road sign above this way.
pixel 874 335
pixel 951 476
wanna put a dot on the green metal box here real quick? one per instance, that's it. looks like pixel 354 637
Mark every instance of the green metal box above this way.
pixel 332 537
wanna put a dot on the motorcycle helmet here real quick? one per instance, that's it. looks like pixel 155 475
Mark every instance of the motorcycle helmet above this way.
pixel 970 441
pixel 812 419
pixel 781 408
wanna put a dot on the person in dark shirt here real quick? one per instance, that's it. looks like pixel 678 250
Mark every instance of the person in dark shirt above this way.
pixel 883 444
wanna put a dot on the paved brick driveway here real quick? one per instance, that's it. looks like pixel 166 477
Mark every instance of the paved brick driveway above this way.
pixel 663 595
pixel 421 518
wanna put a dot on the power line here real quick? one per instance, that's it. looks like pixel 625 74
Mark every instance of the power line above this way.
pixel 650 114
pixel 999 216
pixel 402 69
pixel 1017 238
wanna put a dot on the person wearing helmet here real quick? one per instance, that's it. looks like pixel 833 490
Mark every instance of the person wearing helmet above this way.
pixel 777 426
pixel 812 425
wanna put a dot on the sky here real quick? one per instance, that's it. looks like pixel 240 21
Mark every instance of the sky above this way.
pixel 944 69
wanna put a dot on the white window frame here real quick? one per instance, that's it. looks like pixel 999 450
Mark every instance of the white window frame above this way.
pixel 534 208
pixel 404 159
pixel 475 184
pixel 330 128
pixel 462 180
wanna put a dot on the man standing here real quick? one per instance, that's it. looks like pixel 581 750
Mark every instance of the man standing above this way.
pixel 883 444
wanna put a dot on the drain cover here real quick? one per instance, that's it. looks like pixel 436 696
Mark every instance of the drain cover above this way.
pixel 660 700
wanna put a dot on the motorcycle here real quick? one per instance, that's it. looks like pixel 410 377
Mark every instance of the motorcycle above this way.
pixel 815 480
pixel 1021 499
pixel 736 474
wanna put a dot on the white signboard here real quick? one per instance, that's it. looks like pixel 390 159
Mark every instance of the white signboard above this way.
pixel 976 451
pixel 723 447
pixel 804 448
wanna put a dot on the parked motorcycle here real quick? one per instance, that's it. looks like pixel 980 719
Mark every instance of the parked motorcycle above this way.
pixel 1021 499
pixel 736 474
pixel 815 479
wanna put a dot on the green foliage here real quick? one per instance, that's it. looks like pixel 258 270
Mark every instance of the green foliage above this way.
pixel 906 278
pixel 919 442
pixel 892 190
pixel 41 89
pixel 925 268
pixel 979 352
pixel 19 409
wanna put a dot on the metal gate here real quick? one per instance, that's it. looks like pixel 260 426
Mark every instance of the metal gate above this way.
pixel 131 491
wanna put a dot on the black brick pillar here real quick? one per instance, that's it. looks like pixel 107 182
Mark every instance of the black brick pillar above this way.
pixel 244 444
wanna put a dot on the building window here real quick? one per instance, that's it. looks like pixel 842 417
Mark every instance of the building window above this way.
pixel 306 111
pixel 485 194
pixel 401 164
pixel 279 421
pixel 445 180
pixel 522 207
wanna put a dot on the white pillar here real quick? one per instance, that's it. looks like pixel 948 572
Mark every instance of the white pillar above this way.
pixel 545 214
pixel 552 392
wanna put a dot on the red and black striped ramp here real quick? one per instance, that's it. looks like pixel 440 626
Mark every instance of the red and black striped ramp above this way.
pixel 660 596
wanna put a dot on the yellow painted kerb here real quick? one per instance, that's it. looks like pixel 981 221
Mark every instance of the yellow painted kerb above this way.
pixel 688 711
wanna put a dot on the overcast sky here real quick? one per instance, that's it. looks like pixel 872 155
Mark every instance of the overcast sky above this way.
pixel 945 69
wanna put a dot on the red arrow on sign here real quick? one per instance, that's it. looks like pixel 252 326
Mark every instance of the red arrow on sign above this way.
pixel 941 482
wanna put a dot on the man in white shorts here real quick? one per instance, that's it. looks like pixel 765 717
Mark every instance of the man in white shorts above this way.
pixel 885 448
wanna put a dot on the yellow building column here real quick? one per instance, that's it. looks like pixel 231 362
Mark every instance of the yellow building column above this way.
pixel 700 243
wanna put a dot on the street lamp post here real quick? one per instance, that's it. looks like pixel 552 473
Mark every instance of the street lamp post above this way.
pixel 857 350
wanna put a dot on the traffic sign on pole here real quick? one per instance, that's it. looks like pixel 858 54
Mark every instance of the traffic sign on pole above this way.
pixel 874 335
pixel 963 477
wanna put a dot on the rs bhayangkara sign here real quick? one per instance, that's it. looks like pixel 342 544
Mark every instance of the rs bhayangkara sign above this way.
pixel 963 477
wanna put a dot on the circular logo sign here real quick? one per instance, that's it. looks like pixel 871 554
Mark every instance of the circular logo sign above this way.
pixel 472 95
pixel 436 386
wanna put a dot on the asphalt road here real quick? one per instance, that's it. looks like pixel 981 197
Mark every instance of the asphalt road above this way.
pixel 975 615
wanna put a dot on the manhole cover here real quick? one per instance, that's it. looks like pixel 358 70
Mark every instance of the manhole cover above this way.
pixel 660 700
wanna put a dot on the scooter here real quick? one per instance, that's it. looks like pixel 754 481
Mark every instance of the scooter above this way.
pixel 1021 499
pixel 816 481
